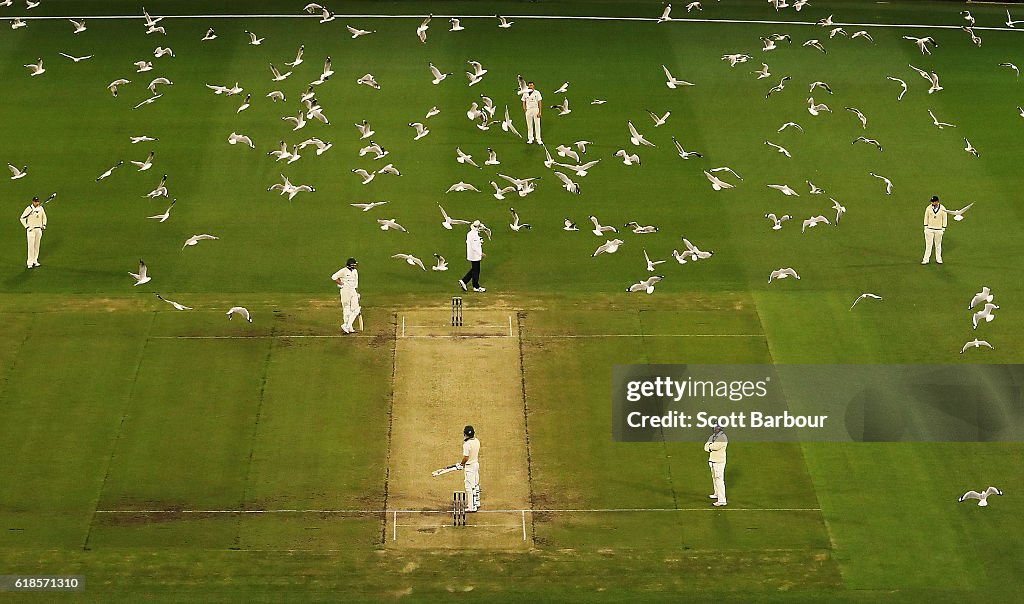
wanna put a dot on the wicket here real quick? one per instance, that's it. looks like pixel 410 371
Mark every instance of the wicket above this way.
pixel 456 312
pixel 459 508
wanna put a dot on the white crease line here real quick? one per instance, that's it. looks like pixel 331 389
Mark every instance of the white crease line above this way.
pixel 518 511
pixel 539 17
pixel 469 335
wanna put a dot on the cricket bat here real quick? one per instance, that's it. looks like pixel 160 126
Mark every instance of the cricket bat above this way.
pixel 451 468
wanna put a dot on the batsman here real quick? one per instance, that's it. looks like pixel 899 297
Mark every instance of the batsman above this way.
pixel 471 465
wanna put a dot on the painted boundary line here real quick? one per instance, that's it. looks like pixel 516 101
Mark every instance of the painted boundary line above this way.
pixel 519 511
pixel 538 17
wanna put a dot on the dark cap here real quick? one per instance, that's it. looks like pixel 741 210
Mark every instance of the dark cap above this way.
pixel 35 199
pixel 351 262
pixel 935 198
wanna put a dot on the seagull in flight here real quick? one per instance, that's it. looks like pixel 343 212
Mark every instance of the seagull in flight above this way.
pixel 635 137
pixel 863 296
pixel 387 224
pixel 75 59
pixel 647 285
pixel 673 82
pixel 141 277
pixel 870 141
pixel 110 171
pixel 659 120
pixel 499 192
pixel 163 217
pixel 1010 23
pixel 778 87
pixel 628 158
pixel 970 148
pixel 448 221
pixel 1015 69
pixel 683 153
pixel 938 124
pixel 692 252
pixel 790 125
pixel 411 260
pixel 860 116
pixel 782 273
pixel 462 186
pixel 666 14
pixel 814 221
pixel 839 208
pixel 253 40
pixel 983 496
pixel 985 314
pixel 608 247
pixel 816 108
pixel 932 77
pixel 438 75
pixel 922 43
pixel 778 148
pixel 240 311
pixel 985 295
pixel 888 183
pixel 194 239
pixel 17 174
pixel 567 183
pixel 440 263
pixel 976 343
pixel 717 183
pixel 356 32
pixel 785 189
pixel 36 68
pixel 503 22
pixel 651 264
pixel 600 229
pixel 958 215
pixel 174 304
pixel 815 190
pixel 902 83
pixel 777 220
pixel 146 164
pixel 366 207
pixel 515 225
pixel 421 130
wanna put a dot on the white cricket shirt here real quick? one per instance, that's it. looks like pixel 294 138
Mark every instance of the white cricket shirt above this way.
pixel 349 278
pixel 471 449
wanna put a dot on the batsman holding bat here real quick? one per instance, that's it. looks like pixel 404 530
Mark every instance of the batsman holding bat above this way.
pixel 716 461
pixel 471 464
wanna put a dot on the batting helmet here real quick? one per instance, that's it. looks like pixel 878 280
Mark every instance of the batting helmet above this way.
pixel 469 432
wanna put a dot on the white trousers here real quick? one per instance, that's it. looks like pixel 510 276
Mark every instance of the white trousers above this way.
pixel 533 126
pixel 932 236
pixel 350 308
pixel 718 479
pixel 472 484
pixel 34 237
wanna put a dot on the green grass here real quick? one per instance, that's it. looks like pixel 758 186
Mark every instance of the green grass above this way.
pixel 107 403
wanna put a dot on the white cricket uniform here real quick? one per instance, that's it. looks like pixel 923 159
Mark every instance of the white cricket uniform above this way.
pixel 934 227
pixel 716 446
pixel 471 449
pixel 350 308
pixel 34 221
pixel 531 103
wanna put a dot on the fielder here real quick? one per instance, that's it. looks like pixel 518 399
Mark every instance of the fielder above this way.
pixel 716 461
pixel 348 280
pixel 532 106
pixel 471 465
pixel 934 226
pixel 34 221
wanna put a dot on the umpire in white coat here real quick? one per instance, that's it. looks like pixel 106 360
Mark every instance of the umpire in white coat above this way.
pixel 474 253
pixel 715 447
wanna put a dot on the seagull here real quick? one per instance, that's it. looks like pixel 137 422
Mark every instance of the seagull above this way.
pixel 441 264
pixel 768 45
pixel 174 304
pixel 234 139
pixel 836 31
pixel 147 164
pixel 933 79
pixel 763 72
pixel 499 192
pixel 815 190
pixel 253 40
pixel 411 260
pixel 816 108
pixel 110 171
pixel 369 80
pixel 17 23
pixel 515 225
pixel 75 59
pixel 627 158
pixel 863 119
pixel 141 66
pixel 976 343
pixel 870 141
pixel 651 264
pixel 692 252
pixel 782 273
pixel 735 59
pixel 683 153
pixel 160 190
pixel 508 126
pixel 375 149
pixel 421 130
pixel 863 296
pixel 503 22
pixel 717 183
pixel 421 29
pixel 278 76
pixel 778 148
pixel 567 183
pixel 862 34
pixel 36 68
pixel 438 76
pixel 432 112
pixel 639 229
pixel 985 314
pixel 608 247
pixel 148 101
pixel 839 208
pixel 464 158
pixel 299 120
pixel 240 311
pixel 902 83
pixel 970 148
pixel 209 36
pixel 673 82
pixel 826 22
pixel 462 186
pixel 938 124
pixel 569 225
pixel 163 217
pixel 600 229
pixel 958 215
pixel 366 176
pixel 563 88
pixel 390 224
pixel 563 108
pixel 785 189
pixel 922 43
pixel 983 496
pixel 492 158
pixel 636 138
pixel 778 87
pixel 326 73
pixel 985 295
pixel 814 43
pixel 974 37
pixel 358 32
pixel 888 183
pixel 142 276
pixel 449 221
pixel 659 120
pixel 245 103
pixel 776 220
pixel 366 207
pixel 1015 69
pixel 327 16
pixel 456 24
pixel 564 151
pixel 665 15
pixel 158 82
pixel 582 170
pixel 967 17
pixel 160 51
pixel 813 221
pixel 647 285
pixel 16 173
pixel 194 239
pixel 790 124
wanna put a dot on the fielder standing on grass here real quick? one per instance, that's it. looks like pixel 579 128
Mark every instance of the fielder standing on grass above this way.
pixel 34 221
pixel 532 106
pixel 348 280
pixel 471 465
pixel 716 461
pixel 934 226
